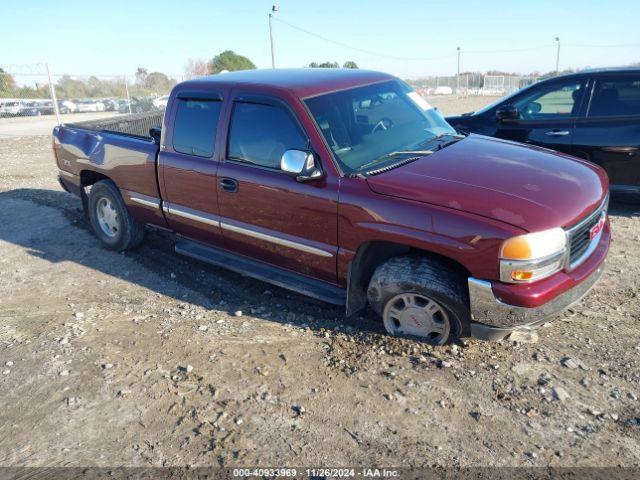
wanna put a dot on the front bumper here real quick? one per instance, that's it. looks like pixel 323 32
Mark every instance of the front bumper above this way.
pixel 499 309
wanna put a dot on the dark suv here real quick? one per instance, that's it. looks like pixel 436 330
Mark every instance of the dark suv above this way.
pixel 592 114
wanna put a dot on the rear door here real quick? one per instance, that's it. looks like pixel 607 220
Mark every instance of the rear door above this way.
pixel 609 134
pixel 188 166
pixel 547 115
pixel 266 214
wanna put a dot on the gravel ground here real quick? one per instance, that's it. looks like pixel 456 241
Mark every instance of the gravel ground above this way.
pixel 148 358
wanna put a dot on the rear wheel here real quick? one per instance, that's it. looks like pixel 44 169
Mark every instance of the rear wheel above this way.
pixel 421 297
pixel 110 219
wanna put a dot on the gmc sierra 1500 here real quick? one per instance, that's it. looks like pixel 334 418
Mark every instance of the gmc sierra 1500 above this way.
pixel 345 185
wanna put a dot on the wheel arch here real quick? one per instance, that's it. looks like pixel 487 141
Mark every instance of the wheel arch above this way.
pixel 88 178
pixel 374 253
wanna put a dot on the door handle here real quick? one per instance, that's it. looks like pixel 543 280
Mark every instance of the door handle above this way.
pixel 557 133
pixel 620 149
pixel 229 184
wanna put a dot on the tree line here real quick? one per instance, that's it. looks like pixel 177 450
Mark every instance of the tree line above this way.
pixel 145 83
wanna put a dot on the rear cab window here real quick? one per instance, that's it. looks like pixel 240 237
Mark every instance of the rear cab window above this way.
pixel 615 97
pixel 260 133
pixel 195 127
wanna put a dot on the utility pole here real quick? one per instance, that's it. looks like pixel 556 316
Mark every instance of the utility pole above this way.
pixel 54 99
pixel 274 9
pixel 558 56
pixel 458 92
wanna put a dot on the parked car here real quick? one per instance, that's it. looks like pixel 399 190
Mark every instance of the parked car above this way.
pixel 110 105
pixel 594 115
pixel 443 90
pixel 161 102
pixel 346 186
pixel 30 109
pixel 67 106
pixel 46 108
pixel 89 105
pixel 11 108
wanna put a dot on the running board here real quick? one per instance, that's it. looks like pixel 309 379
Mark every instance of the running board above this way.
pixel 261 271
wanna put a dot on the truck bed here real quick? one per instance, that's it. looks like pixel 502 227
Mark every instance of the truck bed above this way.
pixel 115 148
pixel 137 124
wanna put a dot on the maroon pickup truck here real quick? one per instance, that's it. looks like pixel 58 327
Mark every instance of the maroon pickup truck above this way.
pixel 346 186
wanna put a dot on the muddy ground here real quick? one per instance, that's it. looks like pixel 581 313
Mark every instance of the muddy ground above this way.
pixel 149 358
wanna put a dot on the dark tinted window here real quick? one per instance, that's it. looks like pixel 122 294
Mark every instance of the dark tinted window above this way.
pixel 194 132
pixel 260 134
pixel 614 97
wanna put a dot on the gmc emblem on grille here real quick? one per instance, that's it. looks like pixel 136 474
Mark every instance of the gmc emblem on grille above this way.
pixel 595 230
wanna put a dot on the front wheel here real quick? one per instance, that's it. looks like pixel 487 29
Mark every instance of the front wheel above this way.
pixel 110 219
pixel 421 297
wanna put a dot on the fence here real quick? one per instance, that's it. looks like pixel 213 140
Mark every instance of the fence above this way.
pixel 471 84
pixel 31 91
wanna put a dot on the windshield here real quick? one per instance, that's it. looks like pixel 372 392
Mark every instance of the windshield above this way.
pixel 376 121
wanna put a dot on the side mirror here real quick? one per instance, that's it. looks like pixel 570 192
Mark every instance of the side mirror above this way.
pixel 507 112
pixel 301 164
pixel 155 133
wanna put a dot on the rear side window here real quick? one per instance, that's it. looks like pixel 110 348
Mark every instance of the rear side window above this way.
pixel 194 132
pixel 260 134
pixel 616 97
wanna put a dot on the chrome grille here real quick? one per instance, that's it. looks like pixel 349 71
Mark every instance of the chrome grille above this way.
pixel 580 243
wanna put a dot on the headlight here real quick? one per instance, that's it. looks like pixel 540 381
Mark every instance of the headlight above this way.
pixel 534 256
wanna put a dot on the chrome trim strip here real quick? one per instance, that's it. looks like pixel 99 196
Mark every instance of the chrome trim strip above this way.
pixel 490 311
pixel 593 244
pixel 216 222
pixel 147 203
pixel 601 210
pixel 588 218
pixel 276 240
pixel 182 212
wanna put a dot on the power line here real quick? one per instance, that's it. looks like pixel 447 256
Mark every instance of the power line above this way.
pixel 395 57
pixel 368 52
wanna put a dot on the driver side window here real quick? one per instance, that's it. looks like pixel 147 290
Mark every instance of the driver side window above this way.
pixel 553 102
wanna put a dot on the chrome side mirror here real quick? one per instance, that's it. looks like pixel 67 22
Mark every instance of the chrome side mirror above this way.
pixel 301 164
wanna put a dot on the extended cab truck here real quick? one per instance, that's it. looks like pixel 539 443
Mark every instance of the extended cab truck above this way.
pixel 348 187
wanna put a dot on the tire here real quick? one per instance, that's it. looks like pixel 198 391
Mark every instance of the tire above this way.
pixel 111 221
pixel 421 297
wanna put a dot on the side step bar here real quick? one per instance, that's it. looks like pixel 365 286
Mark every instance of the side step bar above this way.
pixel 261 271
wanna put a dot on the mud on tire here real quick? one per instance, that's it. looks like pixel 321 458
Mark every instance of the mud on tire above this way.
pixel 427 277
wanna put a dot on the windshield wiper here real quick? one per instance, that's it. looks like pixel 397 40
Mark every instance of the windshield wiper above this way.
pixel 456 137
pixel 395 154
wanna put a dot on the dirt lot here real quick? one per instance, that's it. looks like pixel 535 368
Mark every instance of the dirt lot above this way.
pixel 148 358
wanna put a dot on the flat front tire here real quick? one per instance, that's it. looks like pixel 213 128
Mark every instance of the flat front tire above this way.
pixel 421 297
pixel 110 220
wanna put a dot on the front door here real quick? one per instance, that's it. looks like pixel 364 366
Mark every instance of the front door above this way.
pixel 546 115
pixel 264 213
pixel 609 133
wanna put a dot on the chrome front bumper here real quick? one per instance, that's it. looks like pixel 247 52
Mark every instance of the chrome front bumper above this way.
pixel 494 320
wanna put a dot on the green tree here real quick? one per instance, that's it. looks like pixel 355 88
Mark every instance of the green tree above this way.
pixel 158 82
pixel 67 88
pixel 231 61
pixel 7 83
pixel 350 64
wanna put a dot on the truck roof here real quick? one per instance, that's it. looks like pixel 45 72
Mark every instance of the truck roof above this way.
pixel 303 82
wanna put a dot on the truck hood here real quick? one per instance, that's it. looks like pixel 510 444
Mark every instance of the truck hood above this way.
pixel 526 186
